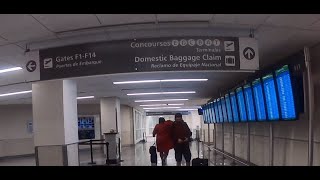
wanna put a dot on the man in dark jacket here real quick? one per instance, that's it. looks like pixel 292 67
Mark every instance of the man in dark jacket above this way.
pixel 181 136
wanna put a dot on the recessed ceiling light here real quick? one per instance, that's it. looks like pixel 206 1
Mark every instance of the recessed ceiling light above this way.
pixel 162 105
pixel 187 109
pixel 85 97
pixel 163 108
pixel 15 93
pixel 154 93
pixel 158 100
pixel 163 80
pixel 10 69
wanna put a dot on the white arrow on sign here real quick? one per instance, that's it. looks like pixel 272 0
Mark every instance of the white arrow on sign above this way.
pixel 249 53
pixel 31 66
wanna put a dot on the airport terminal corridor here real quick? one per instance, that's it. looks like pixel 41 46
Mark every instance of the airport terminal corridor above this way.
pixel 246 86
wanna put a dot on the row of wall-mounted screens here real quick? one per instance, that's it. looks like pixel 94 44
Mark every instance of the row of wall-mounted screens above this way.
pixel 269 98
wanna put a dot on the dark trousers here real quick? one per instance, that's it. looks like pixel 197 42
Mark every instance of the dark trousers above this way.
pixel 182 149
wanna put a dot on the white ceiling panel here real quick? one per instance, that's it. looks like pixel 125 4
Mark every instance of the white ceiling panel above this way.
pixel 17 60
pixel 304 38
pixel 247 19
pixel 65 22
pixel 293 20
pixel 272 35
pixel 3 41
pixel 116 19
pixel 315 25
pixel 10 50
pixel 19 27
pixel 184 17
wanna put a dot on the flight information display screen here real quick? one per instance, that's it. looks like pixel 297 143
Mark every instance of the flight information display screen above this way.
pixel 241 104
pixel 234 106
pixel 220 110
pixel 271 97
pixel 249 102
pixel 287 105
pixel 213 113
pixel 259 100
pixel 210 113
pixel 216 110
pixel 224 109
pixel 229 110
pixel 205 113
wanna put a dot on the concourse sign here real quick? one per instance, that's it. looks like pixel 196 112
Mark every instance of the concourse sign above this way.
pixel 145 55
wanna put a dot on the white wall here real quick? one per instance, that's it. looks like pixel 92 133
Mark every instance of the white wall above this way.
pixel 126 125
pixel 14 137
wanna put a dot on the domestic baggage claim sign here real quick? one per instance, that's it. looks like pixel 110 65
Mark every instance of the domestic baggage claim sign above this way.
pixel 144 55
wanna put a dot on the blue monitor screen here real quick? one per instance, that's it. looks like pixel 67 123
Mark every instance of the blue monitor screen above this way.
pixel 229 110
pixel 215 104
pixel 213 113
pixel 241 105
pixel 204 114
pixel 271 97
pixel 220 110
pixel 206 119
pixel 224 109
pixel 259 100
pixel 287 105
pixel 210 113
pixel 234 106
pixel 249 103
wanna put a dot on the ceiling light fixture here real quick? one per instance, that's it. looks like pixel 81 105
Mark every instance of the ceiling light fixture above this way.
pixel 187 109
pixel 158 100
pixel 163 80
pixel 154 93
pixel 85 97
pixel 15 93
pixel 163 108
pixel 162 105
pixel 10 69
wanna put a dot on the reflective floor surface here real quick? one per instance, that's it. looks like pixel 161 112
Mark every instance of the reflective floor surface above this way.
pixel 137 155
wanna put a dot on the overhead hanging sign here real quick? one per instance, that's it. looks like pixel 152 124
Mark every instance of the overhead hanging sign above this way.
pixel 147 55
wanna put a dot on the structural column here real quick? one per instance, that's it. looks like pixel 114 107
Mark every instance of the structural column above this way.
pixel 111 125
pixel 55 123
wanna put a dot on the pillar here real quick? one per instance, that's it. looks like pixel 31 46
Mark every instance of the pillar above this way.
pixel 110 120
pixel 55 123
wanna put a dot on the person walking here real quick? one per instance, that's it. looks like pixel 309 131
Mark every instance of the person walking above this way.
pixel 181 135
pixel 164 143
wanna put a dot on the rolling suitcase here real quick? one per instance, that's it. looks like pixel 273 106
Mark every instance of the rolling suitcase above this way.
pixel 199 161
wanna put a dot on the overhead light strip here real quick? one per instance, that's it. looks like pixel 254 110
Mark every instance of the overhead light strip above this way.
pixel 148 105
pixel 10 69
pixel 155 93
pixel 163 108
pixel 159 100
pixel 163 80
pixel 15 93
pixel 187 109
pixel 85 97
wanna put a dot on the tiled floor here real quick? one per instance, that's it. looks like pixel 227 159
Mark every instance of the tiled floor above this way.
pixel 137 155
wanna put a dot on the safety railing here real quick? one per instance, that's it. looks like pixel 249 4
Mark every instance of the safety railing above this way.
pixel 92 142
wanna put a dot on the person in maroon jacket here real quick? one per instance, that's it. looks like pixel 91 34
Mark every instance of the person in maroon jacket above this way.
pixel 181 137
